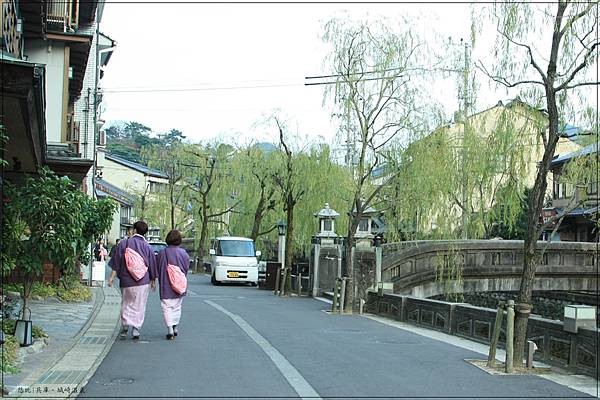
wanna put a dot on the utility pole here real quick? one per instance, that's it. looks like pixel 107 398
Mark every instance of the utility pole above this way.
pixel 465 112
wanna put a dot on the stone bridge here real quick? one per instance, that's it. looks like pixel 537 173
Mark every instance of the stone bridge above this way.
pixel 487 265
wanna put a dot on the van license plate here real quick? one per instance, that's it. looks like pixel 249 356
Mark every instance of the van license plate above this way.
pixel 233 275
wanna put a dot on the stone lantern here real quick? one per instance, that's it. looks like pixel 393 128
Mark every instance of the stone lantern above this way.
pixel 365 225
pixel 327 218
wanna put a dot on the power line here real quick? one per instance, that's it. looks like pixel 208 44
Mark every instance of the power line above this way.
pixel 165 90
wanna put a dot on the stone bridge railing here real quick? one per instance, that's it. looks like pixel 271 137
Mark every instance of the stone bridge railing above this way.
pixel 576 352
pixel 487 265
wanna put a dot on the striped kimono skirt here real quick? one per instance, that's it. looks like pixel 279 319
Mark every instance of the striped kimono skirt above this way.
pixel 171 309
pixel 133 305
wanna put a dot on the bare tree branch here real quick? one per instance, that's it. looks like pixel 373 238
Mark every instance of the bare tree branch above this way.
pixel 583 64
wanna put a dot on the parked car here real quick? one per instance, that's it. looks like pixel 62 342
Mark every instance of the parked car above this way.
pixel 157 246
pixel 234 259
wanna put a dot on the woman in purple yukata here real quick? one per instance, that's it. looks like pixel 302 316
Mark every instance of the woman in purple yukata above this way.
pixel 170 300
pixel 134 292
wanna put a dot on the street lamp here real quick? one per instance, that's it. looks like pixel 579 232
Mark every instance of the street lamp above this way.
pixel 281 227
pixel 24 329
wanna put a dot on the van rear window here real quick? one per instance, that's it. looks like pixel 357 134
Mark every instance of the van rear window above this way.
pixel 235 248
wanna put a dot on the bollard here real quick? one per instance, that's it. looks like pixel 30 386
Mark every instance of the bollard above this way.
pixel 362 304
pixel 343 295
pixel 299 281
pixel 276 291
pixel 531 348
pixel 510 330
pixel 496 335
pixel 334 305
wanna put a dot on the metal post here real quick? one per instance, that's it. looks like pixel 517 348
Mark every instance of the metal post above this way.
pixel 343 295
pixel 496 335
pixel 299 281
pixel 362 304
pixel 510 327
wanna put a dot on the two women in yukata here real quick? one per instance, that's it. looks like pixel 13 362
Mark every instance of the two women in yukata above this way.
pixel 134 292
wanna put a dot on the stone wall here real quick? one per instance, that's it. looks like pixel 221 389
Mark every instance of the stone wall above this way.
pixel 576 352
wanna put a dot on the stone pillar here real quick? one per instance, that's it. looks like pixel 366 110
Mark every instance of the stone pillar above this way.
pixel 315 289
pixel 378 256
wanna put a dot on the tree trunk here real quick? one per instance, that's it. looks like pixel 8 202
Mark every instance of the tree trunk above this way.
pixel 350 268
pixel 530 255
pixel 258 215
pixel 289 240
pixel 201 243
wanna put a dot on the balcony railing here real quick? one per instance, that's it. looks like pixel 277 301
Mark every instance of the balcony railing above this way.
pixel 62 15
pixel 11 29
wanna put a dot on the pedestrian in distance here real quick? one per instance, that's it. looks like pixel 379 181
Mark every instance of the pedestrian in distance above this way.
pixel 173 265
pixel 114 248
pixel 103 252
pixel 97 247
pixel 134 263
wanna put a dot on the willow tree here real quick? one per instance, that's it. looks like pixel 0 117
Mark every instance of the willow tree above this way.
pixel 253 184
pixel 549 52
pixel 210 170
pixel 372 90
pixel 175 161
pixel 469 167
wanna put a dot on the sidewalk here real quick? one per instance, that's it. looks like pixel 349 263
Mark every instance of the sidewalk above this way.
pixel 80 337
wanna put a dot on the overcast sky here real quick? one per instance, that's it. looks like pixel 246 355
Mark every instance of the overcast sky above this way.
pixel 247 60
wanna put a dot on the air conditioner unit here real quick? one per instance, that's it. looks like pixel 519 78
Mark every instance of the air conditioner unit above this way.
pixel 101 138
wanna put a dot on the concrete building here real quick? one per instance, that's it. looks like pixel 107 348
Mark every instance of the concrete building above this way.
pixel 132 185
pixel 50 45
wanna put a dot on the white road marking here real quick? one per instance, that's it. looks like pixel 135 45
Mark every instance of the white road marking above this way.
pixel 295 379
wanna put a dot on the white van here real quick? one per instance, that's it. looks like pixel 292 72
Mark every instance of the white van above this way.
pixel 233 259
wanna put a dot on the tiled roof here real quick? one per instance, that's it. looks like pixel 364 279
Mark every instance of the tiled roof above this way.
pixel 138 167
pixel 104 189
pixel 591 149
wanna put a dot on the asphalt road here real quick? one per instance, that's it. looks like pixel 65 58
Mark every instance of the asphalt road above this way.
pixel 242 342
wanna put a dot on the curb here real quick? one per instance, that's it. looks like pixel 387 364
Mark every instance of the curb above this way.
pixel 100 358
pixel 31 379
pixel 76 365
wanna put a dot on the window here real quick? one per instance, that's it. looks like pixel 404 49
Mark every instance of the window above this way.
pixel 156 187
pixel 363 225
pixel 235 248
pixel 593 187
pixel 327 225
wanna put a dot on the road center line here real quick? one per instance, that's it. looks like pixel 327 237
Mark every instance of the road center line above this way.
pixel 295 379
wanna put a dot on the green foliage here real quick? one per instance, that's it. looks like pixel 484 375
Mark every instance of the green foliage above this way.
pixel 449 273
pixel 49 219
pixel 8 326
pixel 43 290
pixel 9 355
pixel 506 227
pixel 479 167
pixel 38 333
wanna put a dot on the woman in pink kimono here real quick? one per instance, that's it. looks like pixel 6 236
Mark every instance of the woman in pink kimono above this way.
pixel 134 291
pixel 170 296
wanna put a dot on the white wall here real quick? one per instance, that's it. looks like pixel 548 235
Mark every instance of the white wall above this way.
pixel 52 54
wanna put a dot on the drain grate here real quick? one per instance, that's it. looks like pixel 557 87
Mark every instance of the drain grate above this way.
pixel 93 340
pixel 68 377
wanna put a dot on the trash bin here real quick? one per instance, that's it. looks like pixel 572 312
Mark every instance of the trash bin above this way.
pixel 271 275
